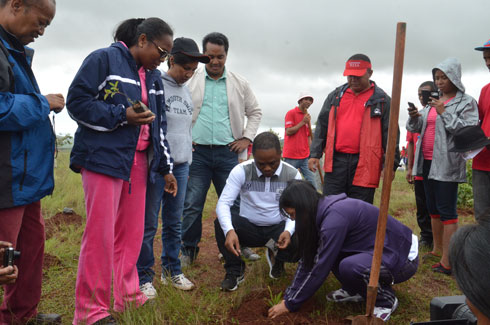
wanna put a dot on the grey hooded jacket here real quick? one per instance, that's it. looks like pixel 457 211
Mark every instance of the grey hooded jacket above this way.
pixel 461 111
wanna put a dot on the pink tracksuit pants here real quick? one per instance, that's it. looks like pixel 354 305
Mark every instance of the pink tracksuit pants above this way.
pixel 111 243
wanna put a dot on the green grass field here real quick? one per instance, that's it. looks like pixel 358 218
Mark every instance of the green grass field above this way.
pixel 208 304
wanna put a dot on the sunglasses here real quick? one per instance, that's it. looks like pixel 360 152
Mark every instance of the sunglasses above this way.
pixel 163 53
pixel 285 214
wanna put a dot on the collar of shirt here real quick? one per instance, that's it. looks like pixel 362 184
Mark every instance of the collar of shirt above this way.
pixel 362 92
pixel 223 76
pixel 276 173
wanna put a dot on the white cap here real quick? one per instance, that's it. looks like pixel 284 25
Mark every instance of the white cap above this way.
pixel 304 94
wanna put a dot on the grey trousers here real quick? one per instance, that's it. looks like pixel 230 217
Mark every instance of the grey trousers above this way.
pixel 481 195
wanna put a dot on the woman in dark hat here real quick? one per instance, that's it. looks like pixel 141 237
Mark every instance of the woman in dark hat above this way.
pixel 182 63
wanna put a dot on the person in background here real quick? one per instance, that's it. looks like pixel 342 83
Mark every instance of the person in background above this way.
pixel 481 163
pixel 259 183
pixel 352 130
pixel 222 99
pixel 469 256
pixel 337 233
pixel 27 145
pixel 423 217
pixel 110 151
pixel 296 149
pixel 442 170
pixel 183 61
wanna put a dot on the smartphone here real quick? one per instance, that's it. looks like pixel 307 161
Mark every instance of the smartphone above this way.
pixel 411 105
pixel 426 94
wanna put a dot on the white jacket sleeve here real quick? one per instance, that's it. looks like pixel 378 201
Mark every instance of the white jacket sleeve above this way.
pixel 231 191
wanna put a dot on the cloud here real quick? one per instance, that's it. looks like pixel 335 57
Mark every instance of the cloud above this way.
pixel 283 46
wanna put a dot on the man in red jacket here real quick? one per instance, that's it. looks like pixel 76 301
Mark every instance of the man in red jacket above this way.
pixel 481 163
pixel 352 130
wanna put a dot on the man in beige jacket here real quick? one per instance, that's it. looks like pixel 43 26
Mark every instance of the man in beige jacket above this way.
pixel 222 99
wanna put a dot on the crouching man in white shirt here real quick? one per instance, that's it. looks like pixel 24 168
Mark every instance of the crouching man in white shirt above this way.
pixel 259 182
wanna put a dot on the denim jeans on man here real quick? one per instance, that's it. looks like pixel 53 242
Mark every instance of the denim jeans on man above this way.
pixel 171 208
pixel 302 164
pixel 209 163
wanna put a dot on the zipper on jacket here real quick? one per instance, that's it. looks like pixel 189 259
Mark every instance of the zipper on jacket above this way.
pixel 25 171
pixel 129 192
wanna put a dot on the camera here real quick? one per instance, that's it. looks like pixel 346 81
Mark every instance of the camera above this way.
pixel 9 255
pixel 429 93
pixel 450 310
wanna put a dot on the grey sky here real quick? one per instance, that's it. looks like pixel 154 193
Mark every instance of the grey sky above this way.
pixel 283 46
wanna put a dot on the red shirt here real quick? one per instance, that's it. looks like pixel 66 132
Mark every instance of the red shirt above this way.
pixel 296 145
pixel 349 120
pixel 482 160
pixel 412 138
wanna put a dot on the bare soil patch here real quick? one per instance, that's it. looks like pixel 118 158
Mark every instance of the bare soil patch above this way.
pixel 60 220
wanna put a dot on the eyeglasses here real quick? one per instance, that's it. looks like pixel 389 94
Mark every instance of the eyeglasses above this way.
pixel 285 214
pixel 163 53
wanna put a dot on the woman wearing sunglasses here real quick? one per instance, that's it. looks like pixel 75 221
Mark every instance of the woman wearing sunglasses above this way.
pixel 110 151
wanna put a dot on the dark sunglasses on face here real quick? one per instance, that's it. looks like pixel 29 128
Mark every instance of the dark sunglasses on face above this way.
pixel 163 53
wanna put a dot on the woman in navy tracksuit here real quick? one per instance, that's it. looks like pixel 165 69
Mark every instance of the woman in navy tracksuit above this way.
pixel 110 150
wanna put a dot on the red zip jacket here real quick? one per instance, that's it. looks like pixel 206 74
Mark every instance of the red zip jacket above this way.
pixel 374 134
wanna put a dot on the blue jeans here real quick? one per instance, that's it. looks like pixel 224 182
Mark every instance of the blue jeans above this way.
pixel 171 208
pixel 209 163
pixel 302 164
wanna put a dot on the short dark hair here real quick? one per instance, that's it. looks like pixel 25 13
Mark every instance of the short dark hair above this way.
pixel 130 30
pixel 303 197
pixel 359 56
pixel 265 141
pixel 428 84
pixel 215 38
pixel 181 59
pixel 469 256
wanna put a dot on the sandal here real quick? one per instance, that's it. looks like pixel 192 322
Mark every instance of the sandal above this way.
pixel 442 269
pixel 429 255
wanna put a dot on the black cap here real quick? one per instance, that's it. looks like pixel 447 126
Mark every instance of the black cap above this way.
pixel 469 138
pixel 188 47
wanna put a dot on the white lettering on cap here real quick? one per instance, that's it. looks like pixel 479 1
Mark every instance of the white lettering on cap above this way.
pixel 355 64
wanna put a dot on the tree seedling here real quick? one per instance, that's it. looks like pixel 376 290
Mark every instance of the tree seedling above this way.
pixel 274 299
pixel 138 106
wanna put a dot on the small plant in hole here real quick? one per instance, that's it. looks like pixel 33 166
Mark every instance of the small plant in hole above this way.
pixel 138 106
pixel 274 299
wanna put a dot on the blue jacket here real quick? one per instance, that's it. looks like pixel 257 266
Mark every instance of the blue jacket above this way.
pixel 104 142
pixel 345 227
pixel 26 136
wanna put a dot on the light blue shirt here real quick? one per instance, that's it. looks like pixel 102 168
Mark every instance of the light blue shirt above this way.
pixel 213 123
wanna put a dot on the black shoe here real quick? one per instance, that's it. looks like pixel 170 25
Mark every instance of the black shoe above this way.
pixel 425 243
pixel 276 268
pixel 45 319
pixel 109 320
pixel 231 282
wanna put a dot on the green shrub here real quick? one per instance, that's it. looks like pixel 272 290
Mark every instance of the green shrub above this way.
pixel 465 190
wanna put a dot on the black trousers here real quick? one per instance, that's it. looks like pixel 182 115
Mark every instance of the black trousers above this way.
pixel 340 179
pixel 423 217
pixel 251 235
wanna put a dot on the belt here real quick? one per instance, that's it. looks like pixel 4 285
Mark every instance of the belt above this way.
pixel 211 146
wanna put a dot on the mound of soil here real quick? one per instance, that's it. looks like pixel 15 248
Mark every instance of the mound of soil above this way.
pixel 254 308
pixel 56 222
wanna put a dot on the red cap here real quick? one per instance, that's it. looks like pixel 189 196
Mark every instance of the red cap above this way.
pixel 356 68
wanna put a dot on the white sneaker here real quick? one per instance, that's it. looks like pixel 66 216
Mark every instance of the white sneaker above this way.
pixel 385 313
pixel 178 281
pixel 341 295
pixel 249 254
pixel 149 290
